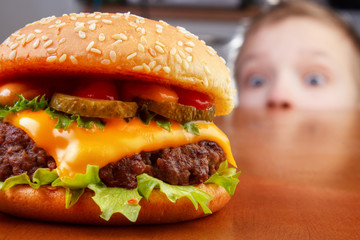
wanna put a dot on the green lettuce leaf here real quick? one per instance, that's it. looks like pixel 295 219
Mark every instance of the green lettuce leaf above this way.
pixel 113 200
pixel 42 176
pixel 191 127
pixel 146 184
pixel 225 177
pixel 35 104
pixel 75 186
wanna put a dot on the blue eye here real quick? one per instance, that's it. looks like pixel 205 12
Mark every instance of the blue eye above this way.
pixel 256 81
pixel 315 80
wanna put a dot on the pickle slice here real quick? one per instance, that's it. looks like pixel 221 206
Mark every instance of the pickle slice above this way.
pixel 178 112
pixel 88 107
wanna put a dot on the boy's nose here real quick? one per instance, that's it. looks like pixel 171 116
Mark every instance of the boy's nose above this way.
pixel 281 104
pixel 281 94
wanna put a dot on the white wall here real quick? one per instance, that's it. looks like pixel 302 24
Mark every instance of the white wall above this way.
pixel 15 14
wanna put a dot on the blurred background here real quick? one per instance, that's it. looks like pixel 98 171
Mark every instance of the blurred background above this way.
pixel 220 23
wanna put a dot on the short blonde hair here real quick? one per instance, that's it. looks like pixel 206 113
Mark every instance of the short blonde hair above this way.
pixel 302 8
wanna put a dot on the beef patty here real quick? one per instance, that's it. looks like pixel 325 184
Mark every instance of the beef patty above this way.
pixel 185 165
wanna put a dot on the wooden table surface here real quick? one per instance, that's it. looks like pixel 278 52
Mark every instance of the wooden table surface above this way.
pixel 300 180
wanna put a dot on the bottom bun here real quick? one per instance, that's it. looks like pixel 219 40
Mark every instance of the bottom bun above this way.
pixel 48 204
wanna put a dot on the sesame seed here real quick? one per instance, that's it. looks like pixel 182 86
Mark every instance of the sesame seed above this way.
pixel 105 13
pixel 113 56
pixel 13 46
pixel 182 54
pixel 207 70
pixel 73 18
pixel 180 43
pixel 91 44
pixel 81 15
pixel 12 55
pixel 138 68
pixel 181 29
pixel 62 58
pixel 139 29
pixel 36 43
pixel 101 37
pixel 132 24
pixel 123 37
pixel 38 31
pixel 107 21
pixel 189 35
pixel 146 67
pixel 157 68
pixel 163 22
pixel 159 26
pixel 189 58
pixel 127 15
pixel 173 51
pixel 152 52
pixel 48 43
pixel 61 25
pixel 20 37
pixel 79 28
pixel 92 26
pixel 186 65
pixel 44 37
pixel 143 40
pixel 159 30
pixel 116 42
pixel 166 69
pixel 98 16
pixel 223 60
pixel 58 21
pixel 91 15
pixel 73 60
pixel 211 51
pixel 203 42
pixel 61 41
pixel 190 44
pixel 95 50
pixel 105 62
pixel 53 26
pixel 51 59
pixel 188 49
pixel 92 21
pixel 160 44
pixel 141 47
pixel 116 36
pixel 178 58
pixel 82 34
pixel 51 50
pixel 159 49
pixel 131 56
pixel 23 42
pixel 152 64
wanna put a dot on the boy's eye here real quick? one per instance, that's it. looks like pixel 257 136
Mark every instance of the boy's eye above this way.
pixel 315 80
pixel 256 81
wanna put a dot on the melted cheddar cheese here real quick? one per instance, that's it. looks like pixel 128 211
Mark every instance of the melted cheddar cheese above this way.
pixel 76 147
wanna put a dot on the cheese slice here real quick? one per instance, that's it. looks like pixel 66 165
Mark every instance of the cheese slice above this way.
pixel 76 147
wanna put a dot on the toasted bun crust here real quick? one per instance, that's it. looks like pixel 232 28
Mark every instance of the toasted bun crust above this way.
pixel 121 45
pixel 49 205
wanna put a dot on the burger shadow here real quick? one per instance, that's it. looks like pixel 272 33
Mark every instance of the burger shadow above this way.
pixel 210 227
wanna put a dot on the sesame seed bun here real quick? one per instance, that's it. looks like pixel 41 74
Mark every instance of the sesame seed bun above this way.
pixel 121 45
pixel 49 205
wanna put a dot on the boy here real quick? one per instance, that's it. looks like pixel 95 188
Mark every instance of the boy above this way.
pixel 299 55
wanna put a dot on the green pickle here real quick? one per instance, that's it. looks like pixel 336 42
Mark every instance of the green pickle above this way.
pixel 97 108
pixel 178 112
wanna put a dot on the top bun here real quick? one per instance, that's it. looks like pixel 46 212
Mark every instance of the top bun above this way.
pixel 124 46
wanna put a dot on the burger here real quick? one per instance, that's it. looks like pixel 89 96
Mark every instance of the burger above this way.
pixel 108 119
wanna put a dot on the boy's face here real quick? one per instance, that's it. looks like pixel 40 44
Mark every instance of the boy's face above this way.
pixel 298 63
